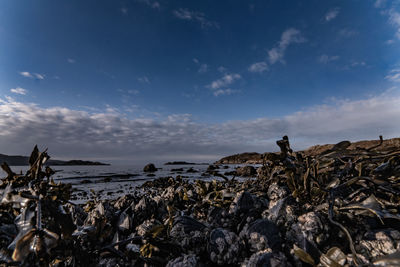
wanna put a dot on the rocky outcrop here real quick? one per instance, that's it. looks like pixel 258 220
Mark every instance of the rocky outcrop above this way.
pixel 150 168
pixel 243 158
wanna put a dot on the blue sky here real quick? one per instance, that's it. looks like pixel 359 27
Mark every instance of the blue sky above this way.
pixel 195 79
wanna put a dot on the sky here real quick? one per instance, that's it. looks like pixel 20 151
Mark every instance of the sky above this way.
pixel 135 81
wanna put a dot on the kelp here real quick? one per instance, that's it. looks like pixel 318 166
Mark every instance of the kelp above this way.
pixel 338 207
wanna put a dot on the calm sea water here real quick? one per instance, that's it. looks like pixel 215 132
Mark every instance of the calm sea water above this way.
pixel 115 180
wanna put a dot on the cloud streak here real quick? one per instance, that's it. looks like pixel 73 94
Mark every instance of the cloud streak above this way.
pixel 27 74
pixel 226 80
pixel 199 17
pixel 288 37
pixel 258 67
pixel 110 135
pixel 19 91
pixel 332 14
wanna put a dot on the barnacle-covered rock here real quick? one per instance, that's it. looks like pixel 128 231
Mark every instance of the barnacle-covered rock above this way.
pixel 190 260
pixel 223 246
pixel 261 234
pixel 276 192
pixel 219 217
pixel 243 202
pixel 189 233
pixel 282 214
pixel 380 242
pixel 267 258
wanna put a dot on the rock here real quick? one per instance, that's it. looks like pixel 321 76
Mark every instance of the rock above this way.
pixel 223 247
pixel 243 202
pixel 150 168
pixel 191 170
pixel 189 234
pixel 267 258
pixel 246 171
pixel 190 260
pixel 212 168
pixel 381 242
pixel 261 234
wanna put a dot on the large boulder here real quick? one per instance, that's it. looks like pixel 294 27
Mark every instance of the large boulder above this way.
pixel 150 168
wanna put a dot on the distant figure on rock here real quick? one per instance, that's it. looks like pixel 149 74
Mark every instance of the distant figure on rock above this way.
pixel 150 168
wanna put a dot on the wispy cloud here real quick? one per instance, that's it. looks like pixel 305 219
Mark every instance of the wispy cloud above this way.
pixel 394 75
pixel 150 3
pixel 227 91
pixel 392 13
pixel 110 134
pixel 71 60
pixel 144 79
pixel 346 32
pixel 332 13
pixel 380 3
pixel 19 91
pixel 326 59
pixel 186 14
pixel 258 67
pixel 394 19
pixel 288 37
pixel 224 81
pixel 203 68
pixel 124 10
pixel 32 75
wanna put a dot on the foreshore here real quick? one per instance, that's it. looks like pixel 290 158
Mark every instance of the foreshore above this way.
pixel 336 208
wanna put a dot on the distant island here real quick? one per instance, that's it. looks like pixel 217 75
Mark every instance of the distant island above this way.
pixel 24 160
pixel 183 163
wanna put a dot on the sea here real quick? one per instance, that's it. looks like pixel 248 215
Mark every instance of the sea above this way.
pixel 113 181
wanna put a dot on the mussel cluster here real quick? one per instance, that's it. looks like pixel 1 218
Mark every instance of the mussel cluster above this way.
pixel 336 208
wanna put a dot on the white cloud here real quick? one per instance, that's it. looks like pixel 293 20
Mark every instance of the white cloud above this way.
pixel 26 74
pixel 186 14
pixel 326 59
pixel 394 75
pixel 124 10
pixel 39 76
pixel 71 60
pixel 288 37
pixel 104 135
pixel 226 80
pixel 228 91
pixel 258 67
pixel 19 91
pixel 332 14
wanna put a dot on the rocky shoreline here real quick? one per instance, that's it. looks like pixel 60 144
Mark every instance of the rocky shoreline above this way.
pixel 339 207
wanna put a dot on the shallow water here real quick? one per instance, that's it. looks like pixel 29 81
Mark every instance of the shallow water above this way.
pixel 115 180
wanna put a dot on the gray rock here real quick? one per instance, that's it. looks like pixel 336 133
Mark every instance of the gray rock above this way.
pixel 223 246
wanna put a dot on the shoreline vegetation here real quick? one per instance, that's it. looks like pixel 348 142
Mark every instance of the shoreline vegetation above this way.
pixel 333 205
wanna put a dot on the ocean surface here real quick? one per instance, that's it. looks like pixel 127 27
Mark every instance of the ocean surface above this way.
pixel 113 181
